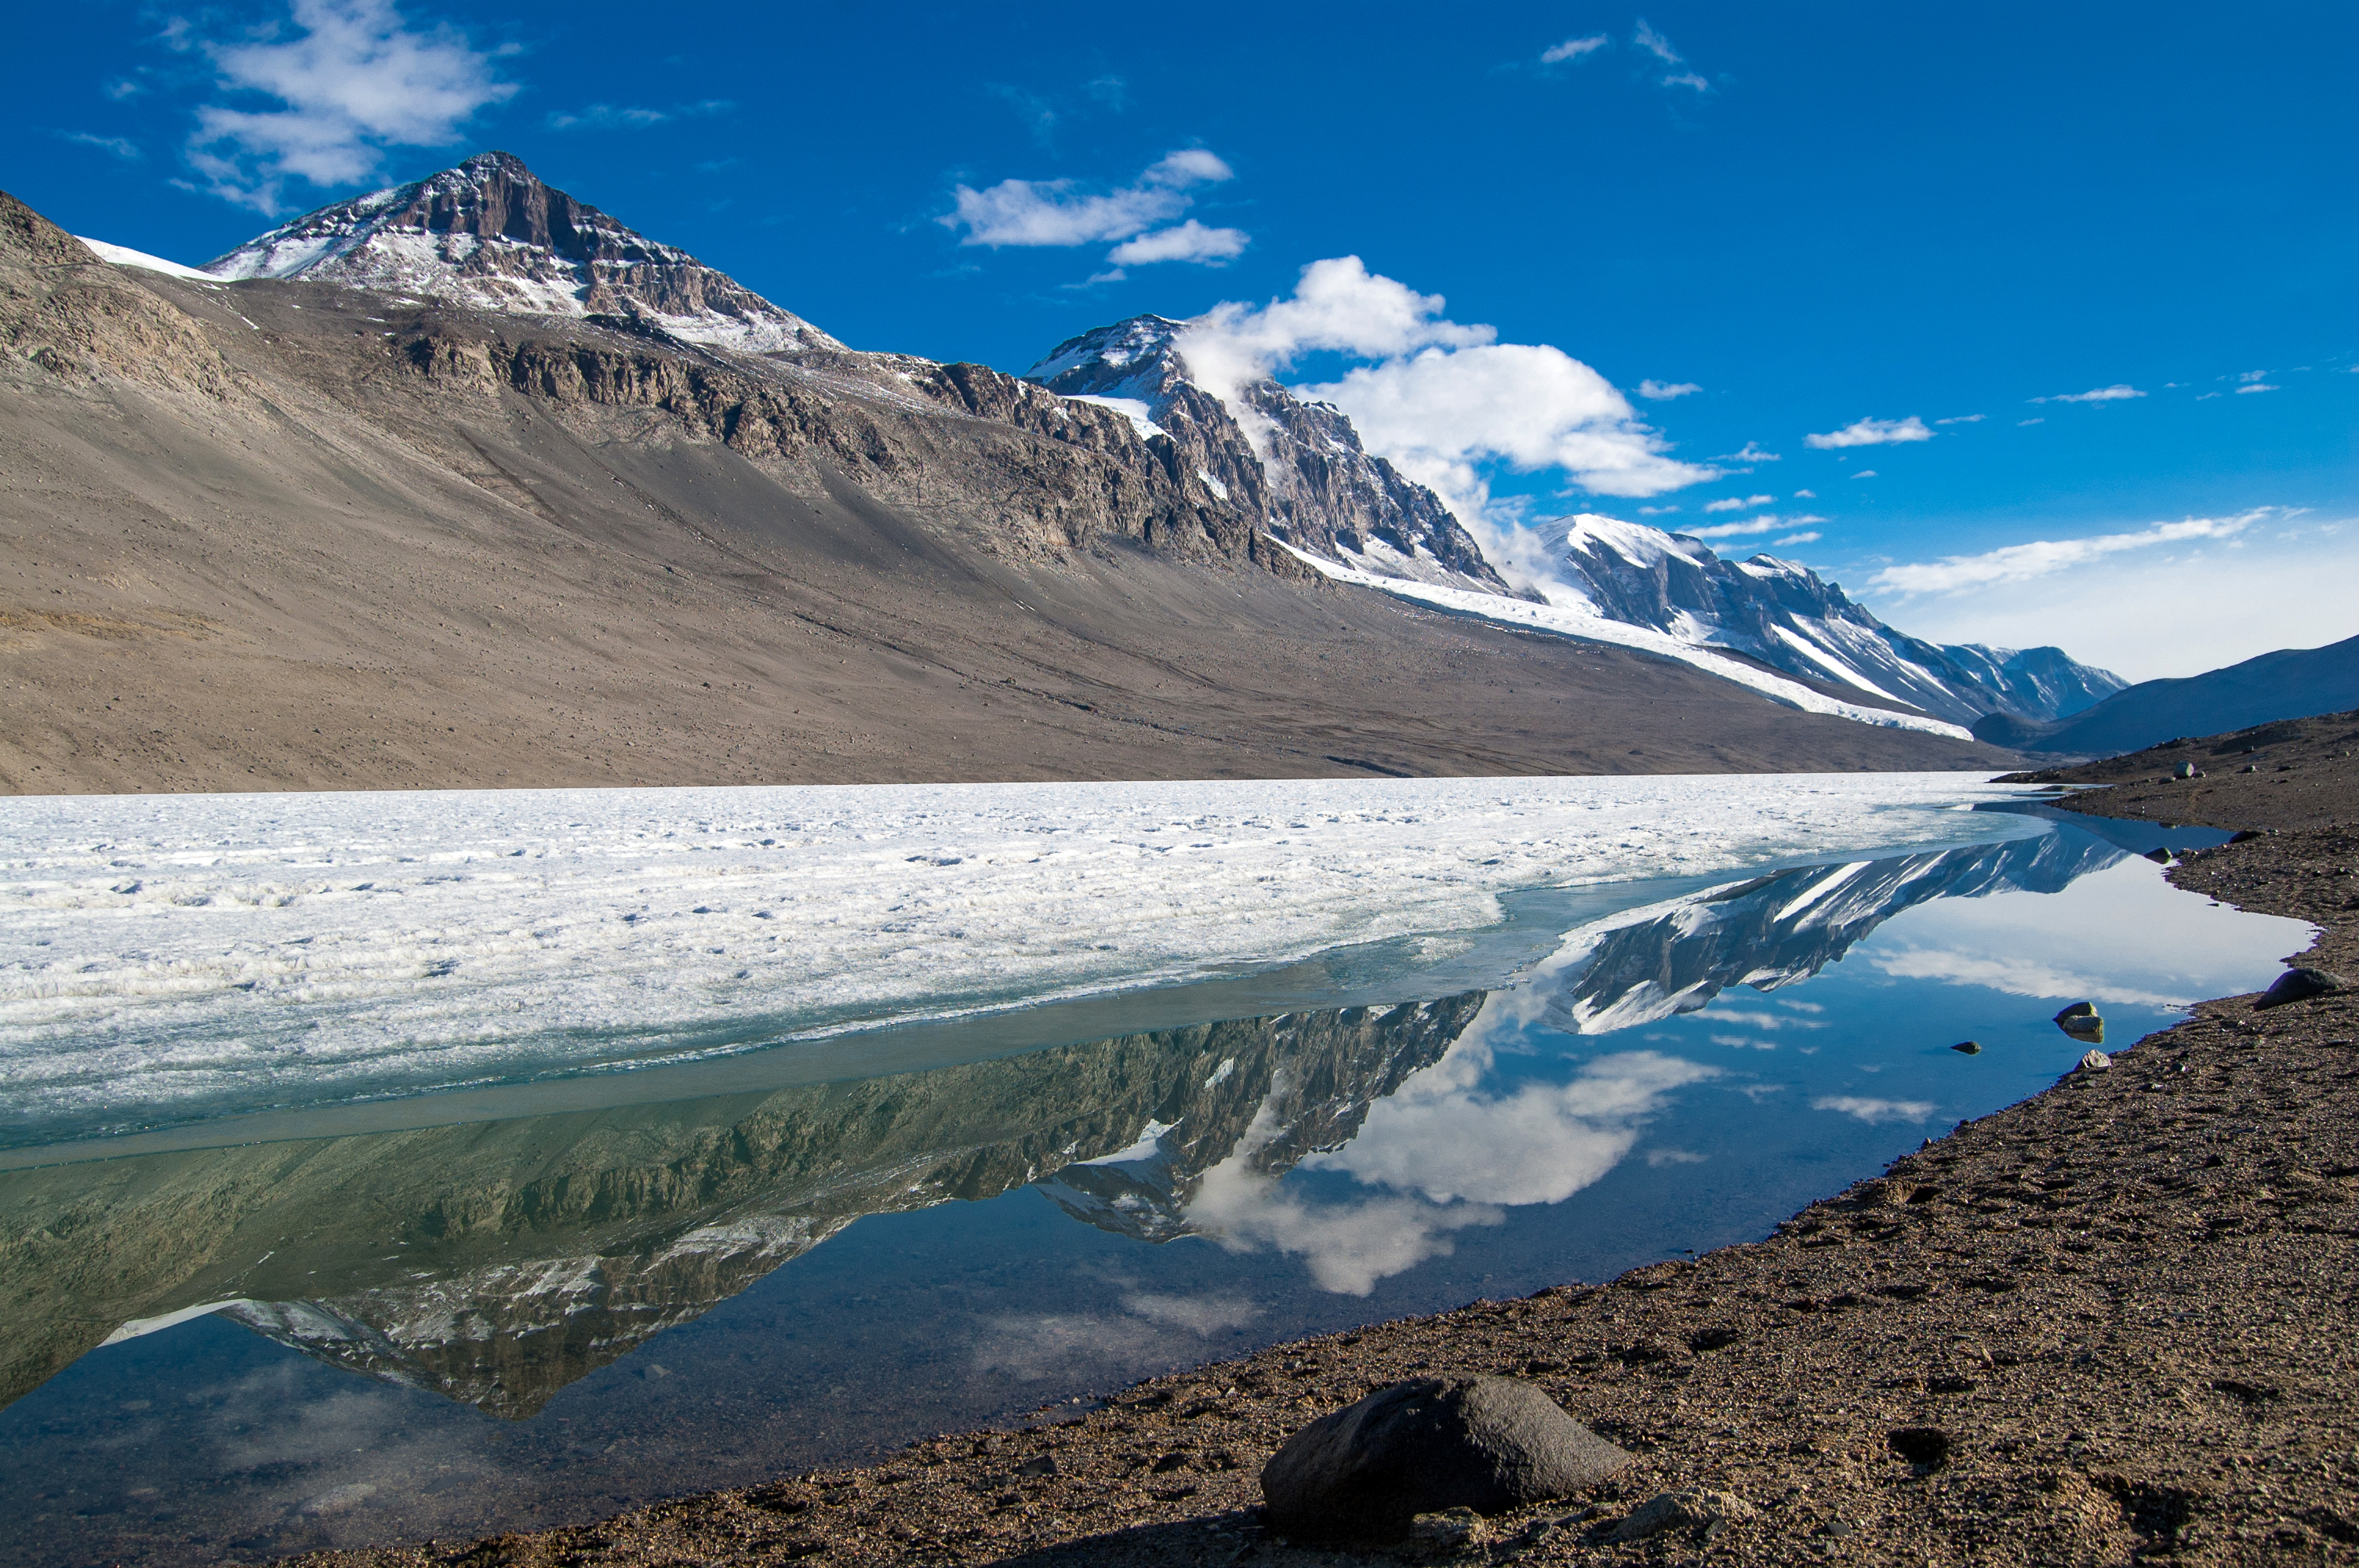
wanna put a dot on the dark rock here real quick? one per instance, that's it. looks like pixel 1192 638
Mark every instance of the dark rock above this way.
pixel 1425 1446
pixel 1694 1508
pixel 2248 835
pixel 2078 1009
pixel 1925 1446
pixel 2159 857
pixel 2300 985
pixel 1038 1464
pixel 1970 1047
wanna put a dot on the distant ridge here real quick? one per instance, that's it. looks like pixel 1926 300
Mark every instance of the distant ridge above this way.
pixel 2292 683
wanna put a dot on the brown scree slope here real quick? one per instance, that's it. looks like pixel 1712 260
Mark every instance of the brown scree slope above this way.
pixel 274 536
pixel 2126 1304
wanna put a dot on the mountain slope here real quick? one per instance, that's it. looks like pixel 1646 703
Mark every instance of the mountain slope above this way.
pixel 1297 469
pixel 288 533
pixel 2292 683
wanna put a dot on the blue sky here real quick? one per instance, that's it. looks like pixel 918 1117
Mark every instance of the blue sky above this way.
pixel 1909 224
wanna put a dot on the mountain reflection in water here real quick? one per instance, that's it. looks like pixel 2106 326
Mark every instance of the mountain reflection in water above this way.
pixel 495 1262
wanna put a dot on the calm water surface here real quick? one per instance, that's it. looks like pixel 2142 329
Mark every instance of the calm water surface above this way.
pixel 569 1299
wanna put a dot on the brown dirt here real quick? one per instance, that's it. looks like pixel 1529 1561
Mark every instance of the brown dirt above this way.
pixel 2125 1302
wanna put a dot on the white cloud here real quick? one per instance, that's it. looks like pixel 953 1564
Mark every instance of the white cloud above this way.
pixel 1189 242
pixel 1751 453
pixel 1808 538
pixel 1688 79
pixel 1732 530
pixel 355 80
pixel 1875 1110
pixel 1806 495
pixel 1442 398
pixel 1053 213
pixel 1572 49
pixel 1663 392
pixel 1867 473
pixel 2116 393
pixel 1963 419
pixel 2019 424
pixel 630 117
pixel 1657 1158
pixel 1657 510
pixel 2174 609
pixel 120 146
pixel 1871 433
pixel 1655 44
pixel 2258 387
pixel 2043 558
pixel 1731 504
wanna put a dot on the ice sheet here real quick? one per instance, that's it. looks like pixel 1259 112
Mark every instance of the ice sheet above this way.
pixel 165 958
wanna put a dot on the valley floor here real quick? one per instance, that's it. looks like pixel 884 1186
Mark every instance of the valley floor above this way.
pixel 2126 1302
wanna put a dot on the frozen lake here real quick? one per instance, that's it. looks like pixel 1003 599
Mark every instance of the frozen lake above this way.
pixel 1361 1050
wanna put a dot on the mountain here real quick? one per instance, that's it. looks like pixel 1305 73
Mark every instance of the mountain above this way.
pixel 1296 468
pixel 2292 683
pixel 489 491
pixel 490 235
pixel 1789 618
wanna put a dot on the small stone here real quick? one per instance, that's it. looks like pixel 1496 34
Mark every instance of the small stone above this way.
pixel 1693 1509
pixel 1038 1464
pixel 2300 985
pixel 2159 857
pixel 2096 1062
pixel 1969 1047
pixel 1426 1446
pixel 1452 1529
pixel 2187 770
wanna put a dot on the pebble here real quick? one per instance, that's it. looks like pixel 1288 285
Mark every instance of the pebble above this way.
pixel 2096 1062
pixel 1689 1508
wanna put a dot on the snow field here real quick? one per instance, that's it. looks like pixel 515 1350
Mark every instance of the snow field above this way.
pixel 171 958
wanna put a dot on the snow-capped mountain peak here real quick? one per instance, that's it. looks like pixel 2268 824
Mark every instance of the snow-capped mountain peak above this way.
pixel 1786 616
pixel 1297 467
pixel 492 235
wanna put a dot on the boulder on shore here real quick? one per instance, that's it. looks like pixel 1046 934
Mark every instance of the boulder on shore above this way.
pixel 1426 1446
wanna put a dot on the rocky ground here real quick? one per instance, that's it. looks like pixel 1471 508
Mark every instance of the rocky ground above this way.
pixel 2109 1324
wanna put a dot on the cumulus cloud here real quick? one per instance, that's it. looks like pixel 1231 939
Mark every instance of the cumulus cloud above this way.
pixel 1054 213
pixel 1875 1110
pixel 1866 473
pixel 1663 392
pixel 2041 558
pixel 1188 242
pixel 2258 387
pixel 1572 49
pixel 353 79
pixel 1871 433
pixel 1751 453
pixel 2116 393
pixel 1963 419
pixel 1806 495
pixel 1732 530
pixel 1731 504
pixel 1810 537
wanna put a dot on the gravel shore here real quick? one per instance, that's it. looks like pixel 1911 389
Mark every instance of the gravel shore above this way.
pixel 2124 1306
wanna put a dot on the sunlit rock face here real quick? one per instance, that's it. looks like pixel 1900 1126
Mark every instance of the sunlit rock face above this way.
pixel 1296 468
pixel 489 234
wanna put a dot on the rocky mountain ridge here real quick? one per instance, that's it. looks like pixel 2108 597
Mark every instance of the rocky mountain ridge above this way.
pixel 1295 467
pixel 1787 617
pixel 489 234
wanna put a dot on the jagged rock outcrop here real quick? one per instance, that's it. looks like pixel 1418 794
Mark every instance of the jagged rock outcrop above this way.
pixel 1295 469
pixel 1791 619
pixel 491 234
pixel 68 317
